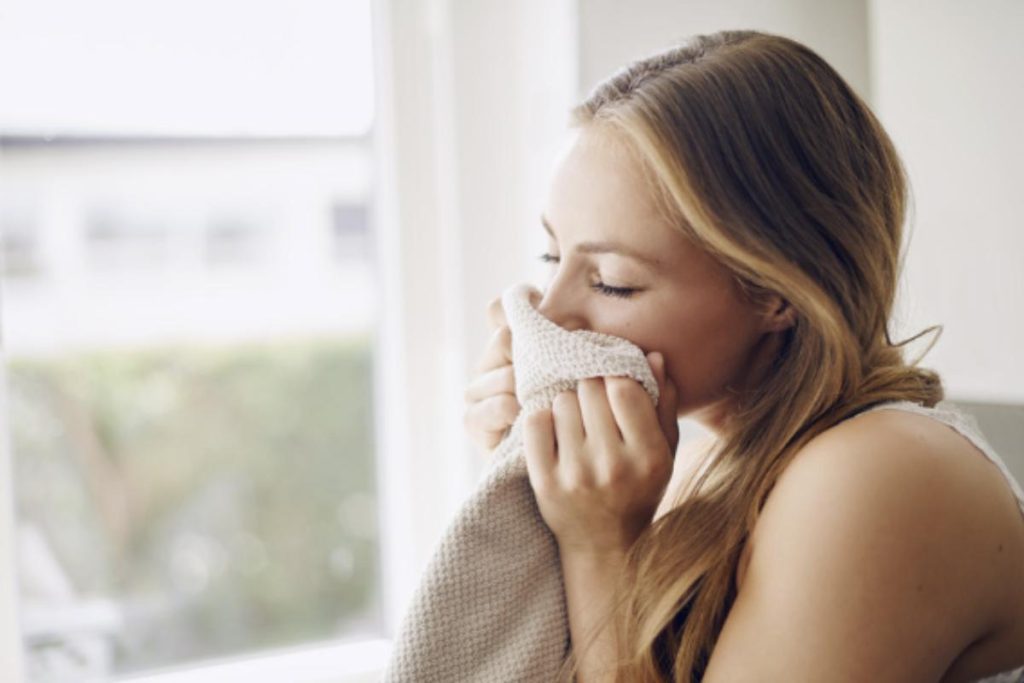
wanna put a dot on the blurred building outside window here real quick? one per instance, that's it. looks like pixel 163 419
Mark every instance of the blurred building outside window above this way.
pixel 188 320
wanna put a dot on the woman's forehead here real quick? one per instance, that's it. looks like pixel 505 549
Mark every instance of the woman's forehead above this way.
pixel 599 191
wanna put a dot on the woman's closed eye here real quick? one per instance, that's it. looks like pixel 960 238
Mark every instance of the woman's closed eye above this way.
pixel 607 290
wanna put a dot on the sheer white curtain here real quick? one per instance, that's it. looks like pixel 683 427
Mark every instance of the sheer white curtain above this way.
pixel 475 101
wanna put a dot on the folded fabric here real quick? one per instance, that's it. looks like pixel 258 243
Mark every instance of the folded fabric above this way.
pixel 491 604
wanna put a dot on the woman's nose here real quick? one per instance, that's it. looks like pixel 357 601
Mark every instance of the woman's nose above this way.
pixel 558 309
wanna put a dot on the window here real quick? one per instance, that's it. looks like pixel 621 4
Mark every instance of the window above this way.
pixel 115 241
pixel 351 230
pixel 188 360
pixel 20 245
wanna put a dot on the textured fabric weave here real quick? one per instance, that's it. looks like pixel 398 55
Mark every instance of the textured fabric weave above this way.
pixel 491 603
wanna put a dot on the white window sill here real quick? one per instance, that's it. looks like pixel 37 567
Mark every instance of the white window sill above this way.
pixel 358 662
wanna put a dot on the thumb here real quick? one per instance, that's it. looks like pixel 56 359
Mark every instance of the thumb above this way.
pixel 667 399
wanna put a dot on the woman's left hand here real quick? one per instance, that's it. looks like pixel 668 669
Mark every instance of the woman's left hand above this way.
pixel 600 459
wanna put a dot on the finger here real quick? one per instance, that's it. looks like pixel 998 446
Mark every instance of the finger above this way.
pixel 598 421
pixel 668 401
pixel 498 351
pixel 657 363
pixel 669 419
pixel 496 313
pixel 539 449
pixel 487 441
pixel 565 410
pixel 633 410
pixel 497 381
pixel 535 296
pixel 492 414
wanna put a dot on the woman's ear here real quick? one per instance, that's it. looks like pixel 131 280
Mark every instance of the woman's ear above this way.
pixel 779 314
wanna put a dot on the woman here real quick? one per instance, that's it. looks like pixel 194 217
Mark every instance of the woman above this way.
pixel 732 207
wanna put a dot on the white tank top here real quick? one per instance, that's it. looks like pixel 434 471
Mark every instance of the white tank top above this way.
pixel 966 425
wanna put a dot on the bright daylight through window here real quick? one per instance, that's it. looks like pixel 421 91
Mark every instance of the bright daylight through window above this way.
pixel 188 314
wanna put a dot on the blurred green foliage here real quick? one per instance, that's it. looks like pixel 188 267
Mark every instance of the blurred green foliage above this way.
pixel 224 498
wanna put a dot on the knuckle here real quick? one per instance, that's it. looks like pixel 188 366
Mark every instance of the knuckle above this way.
pixel 537 418
pixel 508 377
pixel 541 486
pixel 508 405
pixel 650 443
pixel 478 416
pixel 478 437
pixel 603 453
pixel 614 472
pixel 499 412
pixel 501 338
pixel 622 388
pixel 655 468
pixel 490 418
pixel 496 335
pixel 495 311
pixel 573 483
pixel 558 402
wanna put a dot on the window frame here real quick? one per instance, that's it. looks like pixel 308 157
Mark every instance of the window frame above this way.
pixel 10 623
pixel 356 662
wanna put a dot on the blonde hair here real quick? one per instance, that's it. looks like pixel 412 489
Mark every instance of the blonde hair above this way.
pixel 764 157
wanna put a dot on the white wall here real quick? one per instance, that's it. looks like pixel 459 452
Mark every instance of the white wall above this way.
pixel 614 32
pixel 948 88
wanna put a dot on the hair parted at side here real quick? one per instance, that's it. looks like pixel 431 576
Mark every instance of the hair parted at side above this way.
pixel 763 156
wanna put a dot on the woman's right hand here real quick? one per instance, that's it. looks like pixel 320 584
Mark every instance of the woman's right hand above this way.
pixel 491 403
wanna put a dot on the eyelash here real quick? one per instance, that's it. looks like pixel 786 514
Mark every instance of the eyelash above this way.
pixel 621 292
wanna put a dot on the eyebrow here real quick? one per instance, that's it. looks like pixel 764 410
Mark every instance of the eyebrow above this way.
pixel 606 247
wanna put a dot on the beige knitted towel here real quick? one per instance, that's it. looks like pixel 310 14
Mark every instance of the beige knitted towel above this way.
pixel 490 606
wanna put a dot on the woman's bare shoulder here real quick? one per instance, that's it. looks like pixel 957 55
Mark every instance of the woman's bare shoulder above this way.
pixel 913 445
pixel 944 498
pixel 883 538
pixel 911 452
